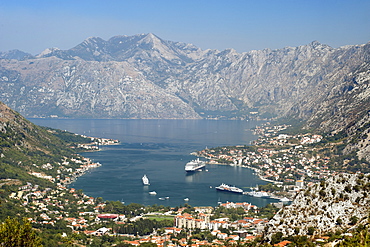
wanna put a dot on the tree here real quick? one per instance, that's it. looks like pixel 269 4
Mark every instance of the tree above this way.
pixel 311 230
pixel 276 238
pixel 353 220
pixel 14 233
pixel 339 221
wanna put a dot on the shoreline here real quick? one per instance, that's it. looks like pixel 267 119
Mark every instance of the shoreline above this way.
pixel 256 170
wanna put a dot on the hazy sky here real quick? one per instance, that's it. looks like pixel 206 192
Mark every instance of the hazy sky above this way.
pixel 34 25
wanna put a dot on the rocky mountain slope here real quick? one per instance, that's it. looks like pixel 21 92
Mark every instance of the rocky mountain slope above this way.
pixel 143 76
pixel 340 203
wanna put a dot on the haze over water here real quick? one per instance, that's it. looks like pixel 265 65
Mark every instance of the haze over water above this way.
pixel 160 149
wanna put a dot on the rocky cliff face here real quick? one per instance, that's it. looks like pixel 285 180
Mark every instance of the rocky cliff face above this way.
pixel 340 203
pixel 79 88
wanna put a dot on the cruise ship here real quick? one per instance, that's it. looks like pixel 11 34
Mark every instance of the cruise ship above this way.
pixel 145 180
pixel 194 165
pixel 228 188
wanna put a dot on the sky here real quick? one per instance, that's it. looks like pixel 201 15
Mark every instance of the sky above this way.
pixel 244 25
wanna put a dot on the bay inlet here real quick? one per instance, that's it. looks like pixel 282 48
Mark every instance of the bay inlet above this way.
pixel 160 149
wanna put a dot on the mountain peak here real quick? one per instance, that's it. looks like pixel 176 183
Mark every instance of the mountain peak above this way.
pixel 152 40
pixel 317 45
pixel 15 54
pixel 152 36
pixel 92 39
pixel 48 51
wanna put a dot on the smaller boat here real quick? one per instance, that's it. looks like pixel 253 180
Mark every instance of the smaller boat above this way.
pixel 145 180
pixel 258 194
pixel 152 193
pixel 161 198
pixel 186 199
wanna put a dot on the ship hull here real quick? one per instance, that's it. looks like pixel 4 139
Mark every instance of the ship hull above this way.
pixel 231 191
pixel 195 169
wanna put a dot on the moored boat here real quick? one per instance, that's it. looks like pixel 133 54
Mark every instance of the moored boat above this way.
pixel 228 188
pixel 255 192
pixel 284 199
pixel 258 194
pixel 145 180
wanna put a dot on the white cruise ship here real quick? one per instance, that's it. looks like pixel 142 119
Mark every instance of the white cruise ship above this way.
pixel 194 165
pixel 145 180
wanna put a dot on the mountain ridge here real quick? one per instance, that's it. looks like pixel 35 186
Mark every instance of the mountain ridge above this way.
pixel 287 82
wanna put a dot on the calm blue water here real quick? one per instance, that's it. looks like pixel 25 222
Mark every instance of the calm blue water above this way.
pixel 160 149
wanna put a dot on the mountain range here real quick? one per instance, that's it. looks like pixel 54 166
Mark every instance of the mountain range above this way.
pixel 144 76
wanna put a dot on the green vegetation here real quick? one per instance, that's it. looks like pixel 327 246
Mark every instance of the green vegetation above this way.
pixel 360 238
pixel 270 187
pixel 231 213
pixel 68 137
pixel 24 151
pixel 15 233
pixel 159 218
pixel 267 212
pixel 130 210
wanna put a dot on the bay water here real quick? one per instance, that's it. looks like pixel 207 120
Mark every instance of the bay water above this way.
pixel 160 149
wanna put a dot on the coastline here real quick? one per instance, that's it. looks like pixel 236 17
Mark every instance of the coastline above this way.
pixel 256 170
pixel 86 163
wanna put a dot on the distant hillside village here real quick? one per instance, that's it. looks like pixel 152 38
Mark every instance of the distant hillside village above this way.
pixel 95 143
